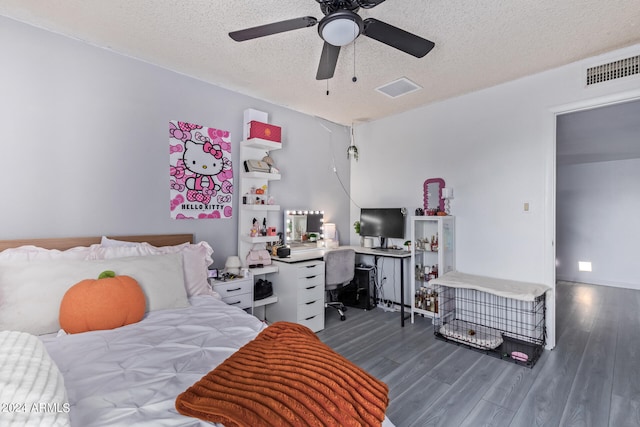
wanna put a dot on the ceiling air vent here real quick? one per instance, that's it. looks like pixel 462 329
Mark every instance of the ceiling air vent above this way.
pixel 613 70
pixel 398 88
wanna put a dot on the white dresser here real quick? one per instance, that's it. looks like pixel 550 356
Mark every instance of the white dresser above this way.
pixel 300 290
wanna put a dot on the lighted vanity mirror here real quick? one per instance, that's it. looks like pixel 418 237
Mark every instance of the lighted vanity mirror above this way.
pixel 303 229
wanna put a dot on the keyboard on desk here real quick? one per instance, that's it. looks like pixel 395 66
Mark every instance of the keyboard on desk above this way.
pixel 390 250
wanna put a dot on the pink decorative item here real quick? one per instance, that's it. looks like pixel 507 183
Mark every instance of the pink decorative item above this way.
pixel 433 201
pixel 516 355
pixel 265 131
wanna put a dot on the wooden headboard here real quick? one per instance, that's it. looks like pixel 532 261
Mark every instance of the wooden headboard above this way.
pixel 64 243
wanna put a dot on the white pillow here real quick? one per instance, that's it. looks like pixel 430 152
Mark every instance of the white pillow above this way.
pixel 31 291
pixel 196 260
pixel 30 252
pixel 105 241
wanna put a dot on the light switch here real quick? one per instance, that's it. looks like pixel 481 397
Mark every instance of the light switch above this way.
pixel 525 207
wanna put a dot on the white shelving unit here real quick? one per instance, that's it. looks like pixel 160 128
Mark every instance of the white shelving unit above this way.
pixel 424 229
pixel 265 301
pixel 256 149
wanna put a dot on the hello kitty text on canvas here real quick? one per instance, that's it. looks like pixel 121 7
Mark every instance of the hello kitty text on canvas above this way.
pixel 201 172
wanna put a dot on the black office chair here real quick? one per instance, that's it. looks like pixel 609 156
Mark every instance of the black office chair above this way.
pixel 339 269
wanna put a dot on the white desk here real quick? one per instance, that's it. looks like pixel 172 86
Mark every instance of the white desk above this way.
pixel 303 255
pixel 310 254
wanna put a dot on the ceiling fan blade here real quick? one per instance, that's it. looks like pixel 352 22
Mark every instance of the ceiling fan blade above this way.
pixel 397 38
pixel 273 28
pixel 328 61
pixel 368 4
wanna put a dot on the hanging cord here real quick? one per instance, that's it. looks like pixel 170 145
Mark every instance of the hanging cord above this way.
pixel 386 301
pixel 378 286
pixel 395 296
pixel 334 167
pixel 354 78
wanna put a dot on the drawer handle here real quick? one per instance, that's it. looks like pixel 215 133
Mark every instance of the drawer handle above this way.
pixel 233 290
pixel 234 303
pixel 310 287
pixel 309 303
pixel 309 318
pixel 311 277
pixel 311 266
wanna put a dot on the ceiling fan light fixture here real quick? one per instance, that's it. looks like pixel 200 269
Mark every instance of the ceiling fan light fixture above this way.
pixel 340 28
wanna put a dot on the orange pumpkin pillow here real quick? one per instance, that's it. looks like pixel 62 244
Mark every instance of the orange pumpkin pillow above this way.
pixel 107 302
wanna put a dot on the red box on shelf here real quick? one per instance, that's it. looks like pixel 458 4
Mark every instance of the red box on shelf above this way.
pixel 264 131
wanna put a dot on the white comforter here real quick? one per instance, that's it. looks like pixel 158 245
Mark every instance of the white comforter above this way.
pixel 132 375
pixel 32 391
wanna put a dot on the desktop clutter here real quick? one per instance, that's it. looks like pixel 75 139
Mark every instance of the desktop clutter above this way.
pixel 303 230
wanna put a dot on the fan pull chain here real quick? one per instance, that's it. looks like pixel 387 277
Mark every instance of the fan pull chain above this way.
pixel 354 78
pixel 326 60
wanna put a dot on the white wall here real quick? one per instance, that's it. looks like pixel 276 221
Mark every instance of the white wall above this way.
pixel 597 221
pixel 85 144
pixel 496 148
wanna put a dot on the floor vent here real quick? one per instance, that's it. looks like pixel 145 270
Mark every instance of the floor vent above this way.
pixel 613 70
pixel 398 88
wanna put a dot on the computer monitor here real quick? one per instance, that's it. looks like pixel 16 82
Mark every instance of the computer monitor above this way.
pixel 385 223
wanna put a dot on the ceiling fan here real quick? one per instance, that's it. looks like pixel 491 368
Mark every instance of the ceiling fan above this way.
pixel 340 26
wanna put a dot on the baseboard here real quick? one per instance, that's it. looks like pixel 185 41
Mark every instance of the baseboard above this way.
pixel 634 286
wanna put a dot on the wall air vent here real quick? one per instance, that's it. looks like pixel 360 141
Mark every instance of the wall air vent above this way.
pixel 398 88
pixel 613 70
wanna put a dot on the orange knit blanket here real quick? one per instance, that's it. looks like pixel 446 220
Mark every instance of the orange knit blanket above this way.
pixel 286 377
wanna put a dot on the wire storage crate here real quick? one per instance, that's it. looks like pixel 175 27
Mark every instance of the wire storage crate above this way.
pixel 507 328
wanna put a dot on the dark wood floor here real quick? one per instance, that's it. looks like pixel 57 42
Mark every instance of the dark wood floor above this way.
pixel 591 378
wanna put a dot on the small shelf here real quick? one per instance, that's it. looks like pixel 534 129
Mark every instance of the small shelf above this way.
pixel 260 239
pixel 262 175
pixel 255 149
pixel 264 270
pixel 421 251
pixel 265 301
pixel 426 313
pixel 424 229
pixel 261 143
pixel 261 207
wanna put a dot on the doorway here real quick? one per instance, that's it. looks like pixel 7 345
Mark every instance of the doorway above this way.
pixel 597 197
pixel 550 193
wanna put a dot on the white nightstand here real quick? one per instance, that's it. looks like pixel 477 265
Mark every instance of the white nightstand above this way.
pixel 238 291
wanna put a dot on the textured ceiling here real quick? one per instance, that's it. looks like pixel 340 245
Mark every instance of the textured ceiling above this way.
pixel 478 44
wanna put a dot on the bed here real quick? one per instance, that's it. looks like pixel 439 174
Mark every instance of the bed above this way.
pixel 138 374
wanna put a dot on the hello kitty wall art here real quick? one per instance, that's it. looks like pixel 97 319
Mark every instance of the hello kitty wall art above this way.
pixel 200 172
